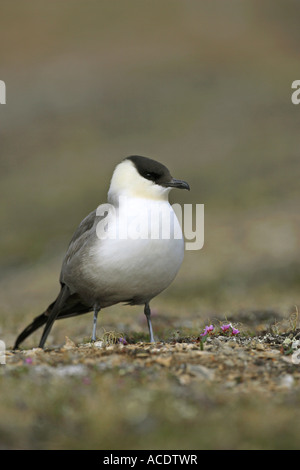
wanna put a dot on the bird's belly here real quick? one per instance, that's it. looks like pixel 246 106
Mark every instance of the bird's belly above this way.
pixel 132 270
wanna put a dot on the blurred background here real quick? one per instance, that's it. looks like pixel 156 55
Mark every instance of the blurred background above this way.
pixel 202 86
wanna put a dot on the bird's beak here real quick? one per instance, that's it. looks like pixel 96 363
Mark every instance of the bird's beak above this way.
pixel 174 183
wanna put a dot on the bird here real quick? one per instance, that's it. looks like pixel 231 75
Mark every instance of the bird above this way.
pixel 104 265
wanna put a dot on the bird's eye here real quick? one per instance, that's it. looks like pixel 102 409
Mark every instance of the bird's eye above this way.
pixel 152 176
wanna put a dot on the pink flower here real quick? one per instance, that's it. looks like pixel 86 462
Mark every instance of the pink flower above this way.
pixel 123 341
pixel 207 330
pixel 225 327
pixel 234 331
pixel 28 360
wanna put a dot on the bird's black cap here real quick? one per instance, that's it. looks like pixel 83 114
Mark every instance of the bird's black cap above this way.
pixel 156 172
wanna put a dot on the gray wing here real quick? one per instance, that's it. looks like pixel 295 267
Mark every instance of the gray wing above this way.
pixel 80 237
pixel 84 235
pixel 85 226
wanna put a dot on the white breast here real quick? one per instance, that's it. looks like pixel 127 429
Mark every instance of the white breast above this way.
pixel 141 263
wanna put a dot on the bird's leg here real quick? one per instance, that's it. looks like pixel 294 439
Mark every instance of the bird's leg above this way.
pixel 147 312
pixel 96 311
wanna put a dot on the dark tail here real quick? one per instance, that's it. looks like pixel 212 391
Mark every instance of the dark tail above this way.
pixel 37 323
pixel 64 306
